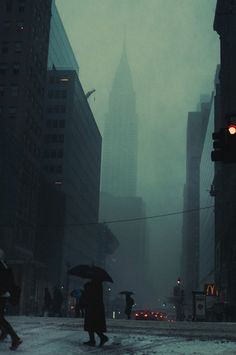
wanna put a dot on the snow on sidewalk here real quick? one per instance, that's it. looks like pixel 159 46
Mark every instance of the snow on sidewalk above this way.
pixel 56 336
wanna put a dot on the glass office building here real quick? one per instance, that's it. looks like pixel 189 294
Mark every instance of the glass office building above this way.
pixel 60 53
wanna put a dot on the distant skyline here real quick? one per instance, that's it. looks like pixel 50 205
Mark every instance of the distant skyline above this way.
pixel 172 52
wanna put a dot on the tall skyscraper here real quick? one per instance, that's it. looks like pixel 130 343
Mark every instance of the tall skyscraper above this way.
pixel 119 181
pixel 119 165
pixel 24 38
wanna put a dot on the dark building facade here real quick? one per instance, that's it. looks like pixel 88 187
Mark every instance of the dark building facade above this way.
pixel 196 130
pixel 24 37
pixel 225 174
pixel 71 161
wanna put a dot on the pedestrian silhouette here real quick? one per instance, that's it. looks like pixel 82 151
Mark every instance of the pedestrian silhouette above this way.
pixel 94 319
pixel 7 291
pixel 128 305
pixel 57 302
pixel 78 294
pixel 81 304
pixel 47 302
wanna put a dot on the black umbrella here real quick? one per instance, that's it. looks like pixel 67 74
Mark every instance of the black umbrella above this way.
pixel 90 272
pixel 126 293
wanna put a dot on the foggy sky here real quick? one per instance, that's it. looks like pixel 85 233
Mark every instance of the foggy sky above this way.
pixel 173 52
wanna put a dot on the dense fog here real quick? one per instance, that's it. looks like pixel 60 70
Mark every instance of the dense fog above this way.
pixel 172 52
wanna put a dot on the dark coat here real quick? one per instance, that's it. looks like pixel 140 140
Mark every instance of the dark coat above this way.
pixel 94 319
pixel 129 305
pixel 7 283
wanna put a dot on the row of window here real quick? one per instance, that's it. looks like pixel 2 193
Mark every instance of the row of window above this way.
pixel 16 47
pixel 54 169
pixel 58 79
pixel 10 109
pixel 20 5
pixel 54 138
pixel 57 94
pixel 17 26
pixel 56 109
pixel 4 67
pixel 14 90
pixel 56 123
pixel 53 154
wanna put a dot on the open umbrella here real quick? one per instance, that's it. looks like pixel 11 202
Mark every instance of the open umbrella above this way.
pixel 126 293
pixel 90 272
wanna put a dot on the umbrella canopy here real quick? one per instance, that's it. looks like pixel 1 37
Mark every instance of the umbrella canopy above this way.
pixel 90 272
pixel 126 293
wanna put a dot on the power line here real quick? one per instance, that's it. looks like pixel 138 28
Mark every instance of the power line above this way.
pixel 124 220
pixel 158 216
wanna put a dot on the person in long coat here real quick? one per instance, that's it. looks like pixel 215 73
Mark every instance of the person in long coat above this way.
pixel 47 302
pixel 7 285
pixel 128 305
pixel 94 318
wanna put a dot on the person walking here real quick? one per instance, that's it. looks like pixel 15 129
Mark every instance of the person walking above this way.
pixel 128 306
pixel 57 302
pixel 78 294
pixel 7 286
pixel 94 318
pixel 47 302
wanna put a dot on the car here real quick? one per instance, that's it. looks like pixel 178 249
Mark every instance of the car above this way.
pixel 142 314
pixel 161 316
pixel 149 315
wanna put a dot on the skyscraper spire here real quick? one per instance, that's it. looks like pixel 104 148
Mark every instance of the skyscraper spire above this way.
pixel 119 172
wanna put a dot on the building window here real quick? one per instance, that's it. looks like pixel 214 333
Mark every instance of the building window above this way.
pixel 16 68
pixel 5 48
pixel 21 6
pixel 46 154
pixel 2 90
pixel 51 80
pixel 8 5
pixel 12 110
pixel 49 123
pixel 63 109
pixel 53 153
pixel 61 123
pixel 3 68
pixel 51 168
pixel 18 47
pixel 63 94
pixel 58 169
pixel 14 90
pixel 7 25
pixel 60 153
pixel 60 138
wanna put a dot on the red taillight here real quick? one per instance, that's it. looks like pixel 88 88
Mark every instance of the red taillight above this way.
pixel 145 315
pixel 136 314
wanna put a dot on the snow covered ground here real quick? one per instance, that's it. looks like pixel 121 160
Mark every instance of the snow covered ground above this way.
pixel 58 336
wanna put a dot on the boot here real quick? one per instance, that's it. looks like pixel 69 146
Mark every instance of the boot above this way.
pixel 15 343
pixel 103 340
pixel 90 343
